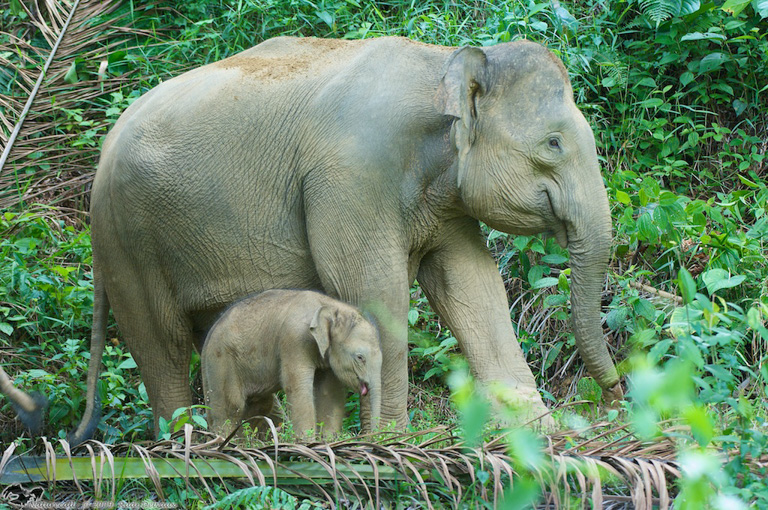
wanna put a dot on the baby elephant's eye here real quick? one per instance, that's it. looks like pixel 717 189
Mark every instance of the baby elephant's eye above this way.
pixel 554 143
pixel 360 358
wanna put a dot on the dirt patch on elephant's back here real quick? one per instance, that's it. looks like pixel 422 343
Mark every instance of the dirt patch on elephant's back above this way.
pixel 296 58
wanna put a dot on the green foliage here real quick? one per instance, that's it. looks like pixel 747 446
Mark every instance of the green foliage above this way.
pixel 675 91
pixel 262 497
pixel 46 301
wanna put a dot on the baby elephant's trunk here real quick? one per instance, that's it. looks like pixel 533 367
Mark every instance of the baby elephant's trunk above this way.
pixel 370 407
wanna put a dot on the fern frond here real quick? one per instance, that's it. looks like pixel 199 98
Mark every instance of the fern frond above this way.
pixel 661 10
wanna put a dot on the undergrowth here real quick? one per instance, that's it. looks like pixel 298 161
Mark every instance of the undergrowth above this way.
pixel 676 94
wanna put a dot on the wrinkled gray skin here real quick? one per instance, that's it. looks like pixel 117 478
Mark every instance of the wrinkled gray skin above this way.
pixel 308 344
pixel 30 407
pixel 351 167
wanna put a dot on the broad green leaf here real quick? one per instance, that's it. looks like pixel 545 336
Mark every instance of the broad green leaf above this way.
pixel 326 17
pixel 698 36
pixel 717 279
pixel 623 197
pixel 413 316
pixel 520 242
pixel 689 7
pixel 687 285
pixel 554 259
pixel 616 318
pixel 735 6
pixel 6 328
pixel 647 82
pixel 541 283
pixel 760 7
pixel 646 228
pixel 652 102
pixel 127 364
pixel 566 18
pixel 700 423
pixel 712 62
pixel 644 338
pixel 555 300
pixel 686 78
pixel 71 75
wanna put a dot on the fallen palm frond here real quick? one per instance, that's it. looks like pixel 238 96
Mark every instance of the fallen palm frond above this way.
pixel 71 57
pixel 434 465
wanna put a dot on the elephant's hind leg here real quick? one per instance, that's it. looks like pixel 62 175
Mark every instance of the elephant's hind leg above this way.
pixel 160 339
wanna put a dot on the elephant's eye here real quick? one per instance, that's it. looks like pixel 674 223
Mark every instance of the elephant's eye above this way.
pixel 360 358
pixel 554 143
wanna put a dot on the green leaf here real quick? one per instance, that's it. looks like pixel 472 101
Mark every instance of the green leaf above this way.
pixel 71 76
pixel 760 7
pixel 535 274
pixel 623 197
pixel 735 6
pixel 717 279
pixel 520 242
pixel 645 308
pixel 700 423
pixel 647 82
pixel 16 7
pixel 689 7
pixel 6 328
pixel 687 285
pixel 652 102
pixel 127 364
pixel 616 318
pixel 698 36
pixel 413 316
pixel 555 300
pixel 646 228
pixel 544 282
pixel 326 17
pixel 712 62
pixel 644 337
pixel 554 258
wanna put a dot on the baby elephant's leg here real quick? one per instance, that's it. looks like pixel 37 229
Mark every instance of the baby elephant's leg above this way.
pixel 224 395
pixel 256 408
pixel 330 397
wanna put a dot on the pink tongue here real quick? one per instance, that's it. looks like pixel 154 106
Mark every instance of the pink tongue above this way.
pixel 363 389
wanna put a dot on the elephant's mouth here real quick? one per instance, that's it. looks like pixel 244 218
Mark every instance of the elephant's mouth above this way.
pixel 363 388
pixel 558 230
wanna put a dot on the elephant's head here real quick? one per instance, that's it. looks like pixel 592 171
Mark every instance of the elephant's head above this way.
pixel 526 163
pixel 350 344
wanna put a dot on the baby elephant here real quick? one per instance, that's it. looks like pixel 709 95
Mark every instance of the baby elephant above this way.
pixel 304 342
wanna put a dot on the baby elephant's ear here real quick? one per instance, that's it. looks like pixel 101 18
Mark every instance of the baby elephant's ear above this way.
pixel 320 327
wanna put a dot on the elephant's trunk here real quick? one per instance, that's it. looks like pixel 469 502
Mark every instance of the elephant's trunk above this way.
pixel 370 408
pixel 589 243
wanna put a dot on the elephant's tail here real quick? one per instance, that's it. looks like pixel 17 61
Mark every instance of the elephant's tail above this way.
pixel 30 408
pixel 90 421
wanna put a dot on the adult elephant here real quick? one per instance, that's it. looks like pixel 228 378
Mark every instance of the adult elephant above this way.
pixel 352 167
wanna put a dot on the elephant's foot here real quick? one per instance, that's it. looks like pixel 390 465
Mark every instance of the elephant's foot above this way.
pixel 519 407
pixel 613 396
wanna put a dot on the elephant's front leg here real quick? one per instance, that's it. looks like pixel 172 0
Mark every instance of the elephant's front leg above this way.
pixel 462 282
pixel 363 266
pixel 298 383
pixel 330 398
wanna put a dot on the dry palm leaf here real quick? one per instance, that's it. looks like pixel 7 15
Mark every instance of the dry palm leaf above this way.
pixel 49 130
pixel 612 468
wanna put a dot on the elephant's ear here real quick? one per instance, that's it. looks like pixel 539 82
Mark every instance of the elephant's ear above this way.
pixel 320 328
pixel 463 82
